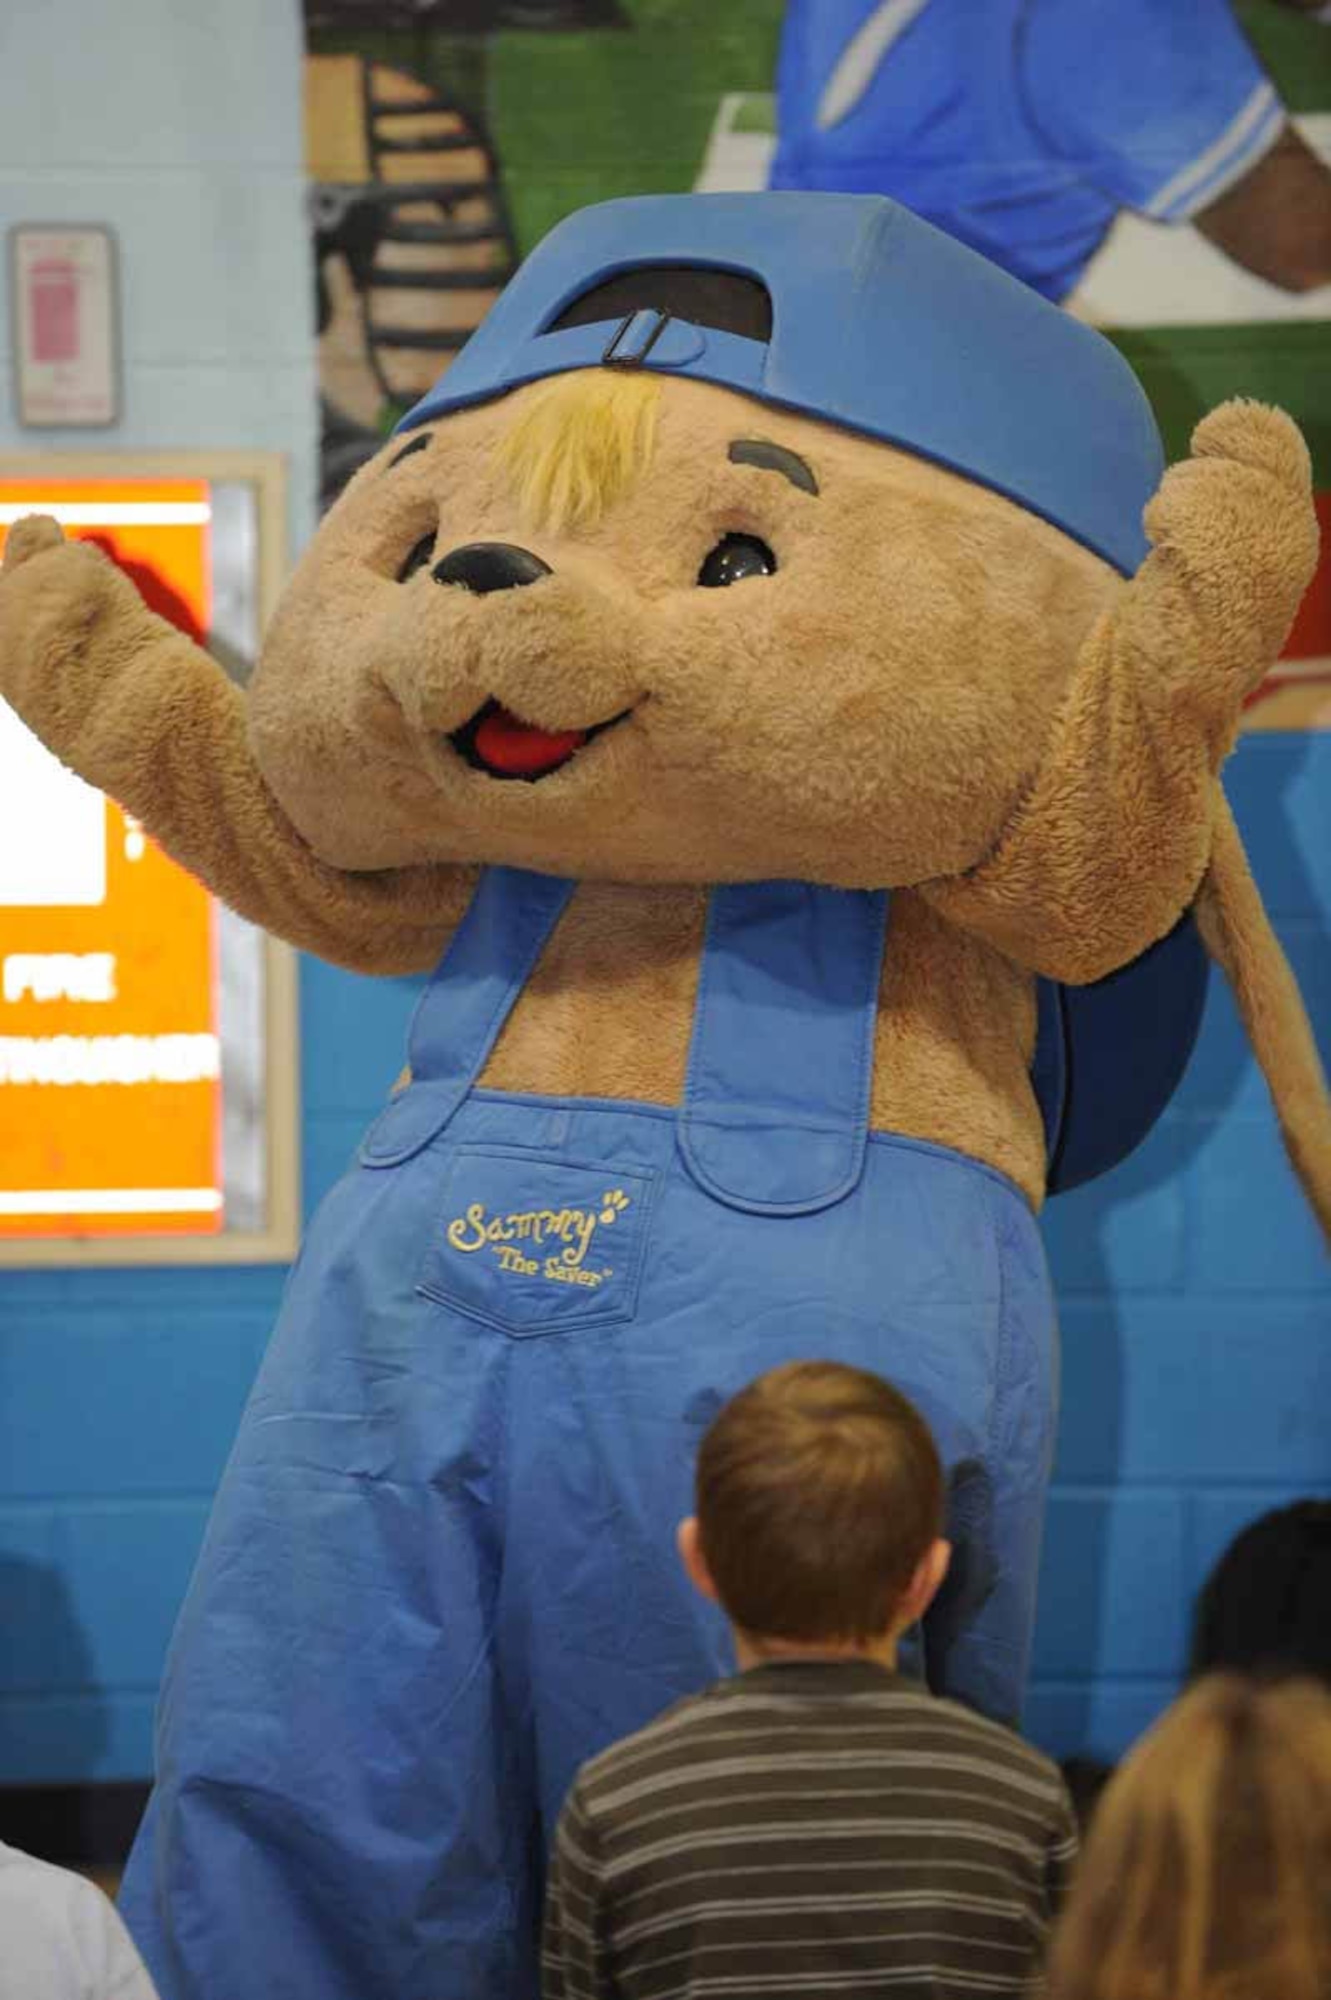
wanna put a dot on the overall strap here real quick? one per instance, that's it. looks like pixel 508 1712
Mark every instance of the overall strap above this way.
pixel 461 1012
pixel 775 1117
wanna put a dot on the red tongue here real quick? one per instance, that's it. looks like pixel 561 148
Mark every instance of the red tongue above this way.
pixel 506 744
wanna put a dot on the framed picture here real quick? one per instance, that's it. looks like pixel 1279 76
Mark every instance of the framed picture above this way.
pixel 148 1048
pixel 66 326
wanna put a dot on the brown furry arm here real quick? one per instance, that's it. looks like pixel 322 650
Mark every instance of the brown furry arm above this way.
pixel 143 714
pixel 1108 845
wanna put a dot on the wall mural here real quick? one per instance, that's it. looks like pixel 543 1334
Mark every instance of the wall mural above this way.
pixel 412 235
pixel 1162 168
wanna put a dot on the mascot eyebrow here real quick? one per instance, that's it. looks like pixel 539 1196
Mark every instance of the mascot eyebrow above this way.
pixel 774 458
pixel 418 443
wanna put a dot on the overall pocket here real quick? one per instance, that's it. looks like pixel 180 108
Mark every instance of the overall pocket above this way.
pixel 533 1243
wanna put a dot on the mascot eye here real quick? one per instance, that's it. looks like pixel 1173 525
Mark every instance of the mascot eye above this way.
pixel 734 558
pixel 418 558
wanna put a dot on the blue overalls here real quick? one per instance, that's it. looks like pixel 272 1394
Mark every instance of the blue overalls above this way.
pixel 440 1571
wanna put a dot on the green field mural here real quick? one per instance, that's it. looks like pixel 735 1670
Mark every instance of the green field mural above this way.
pixel 649 96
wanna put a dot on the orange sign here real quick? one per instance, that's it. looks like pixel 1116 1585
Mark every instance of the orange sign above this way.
pixel 110 1046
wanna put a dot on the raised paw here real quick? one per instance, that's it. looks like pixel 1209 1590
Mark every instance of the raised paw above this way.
pixel 1235 535
pixel 1234 546
pixel 1255 435
pixel 56 598
pixel 30 537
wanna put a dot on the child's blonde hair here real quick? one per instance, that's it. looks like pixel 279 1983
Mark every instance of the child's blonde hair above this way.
pixel 1207 1873
pixel 582 440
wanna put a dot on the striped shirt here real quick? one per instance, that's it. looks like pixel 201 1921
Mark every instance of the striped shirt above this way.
pixel 807 1829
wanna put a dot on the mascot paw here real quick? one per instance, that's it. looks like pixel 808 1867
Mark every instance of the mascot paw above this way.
pixel 53 594
pixel 1255 435
pixel 1235 527
pixel 31 536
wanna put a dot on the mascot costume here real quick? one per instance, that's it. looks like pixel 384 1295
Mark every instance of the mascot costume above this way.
pixel 773 672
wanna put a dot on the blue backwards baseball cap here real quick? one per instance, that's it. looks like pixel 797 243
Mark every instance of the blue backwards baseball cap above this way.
pixel 879 323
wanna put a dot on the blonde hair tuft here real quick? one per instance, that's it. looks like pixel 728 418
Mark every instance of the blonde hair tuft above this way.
pixel 582 441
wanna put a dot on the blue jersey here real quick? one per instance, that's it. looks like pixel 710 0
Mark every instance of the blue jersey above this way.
pixel 1022 126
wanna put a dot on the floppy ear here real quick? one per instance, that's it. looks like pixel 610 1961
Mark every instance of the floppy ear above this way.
pixel 1110 838
pixel 138 710
pixel 1237 932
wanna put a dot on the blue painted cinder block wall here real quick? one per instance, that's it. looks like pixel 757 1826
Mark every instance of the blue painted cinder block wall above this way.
pixel 120 1392
pixel 1196 1309
pixel 1197 1371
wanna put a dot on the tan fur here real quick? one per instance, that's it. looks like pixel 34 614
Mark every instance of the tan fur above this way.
pixel 935 692
pixel 1110 838
pixel 142 713
pixel 609 1013
pixel 862 717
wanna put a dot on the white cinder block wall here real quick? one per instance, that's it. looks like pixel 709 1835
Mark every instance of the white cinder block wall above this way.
pixel 178 124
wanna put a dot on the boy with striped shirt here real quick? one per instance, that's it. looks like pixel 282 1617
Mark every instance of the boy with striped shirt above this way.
pixel 817 1824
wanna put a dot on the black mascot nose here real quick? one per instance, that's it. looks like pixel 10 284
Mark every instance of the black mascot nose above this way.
pixel 485 566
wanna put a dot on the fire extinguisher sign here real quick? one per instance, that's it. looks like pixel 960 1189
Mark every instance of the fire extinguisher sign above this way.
pixel 63 287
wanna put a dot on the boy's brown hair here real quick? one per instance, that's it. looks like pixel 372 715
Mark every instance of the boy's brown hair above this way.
pixel 819 1489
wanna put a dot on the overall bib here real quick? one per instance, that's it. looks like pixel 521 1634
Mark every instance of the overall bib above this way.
pixel 440 1570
